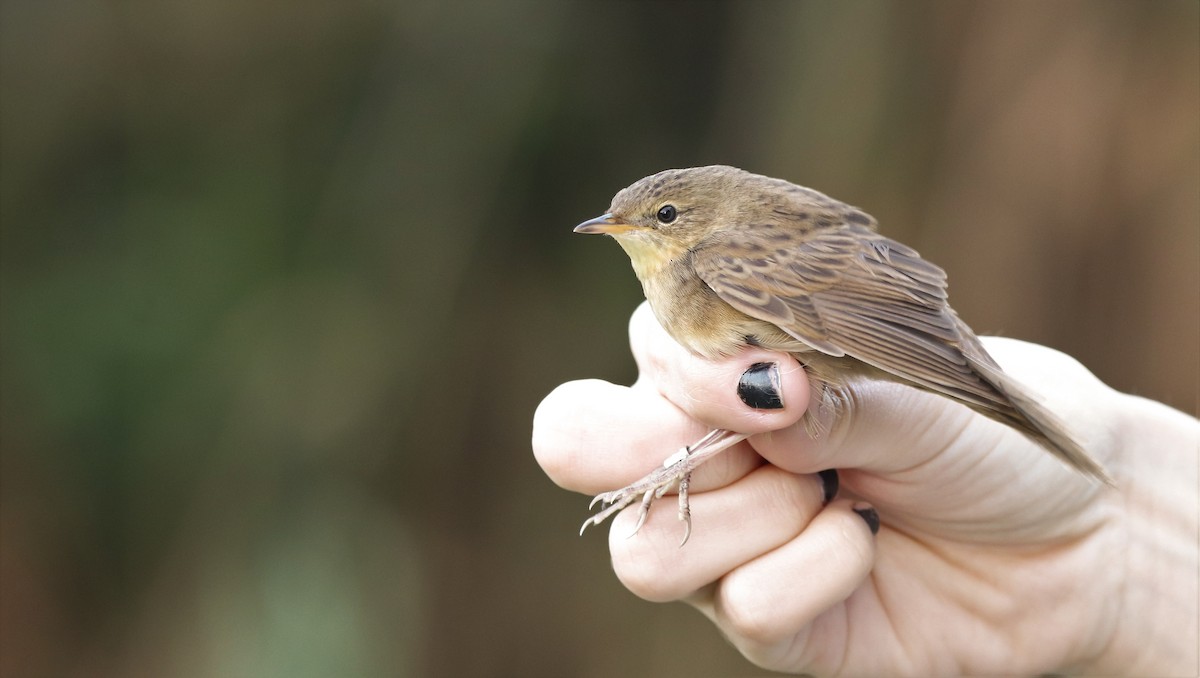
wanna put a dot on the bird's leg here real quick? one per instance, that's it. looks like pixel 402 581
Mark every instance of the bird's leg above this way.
pixel 828 401
pixel 676 469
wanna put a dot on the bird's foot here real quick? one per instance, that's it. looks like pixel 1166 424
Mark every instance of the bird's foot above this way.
pixel 677 469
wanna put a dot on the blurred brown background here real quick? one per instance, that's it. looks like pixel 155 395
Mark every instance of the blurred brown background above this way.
pixel 282 284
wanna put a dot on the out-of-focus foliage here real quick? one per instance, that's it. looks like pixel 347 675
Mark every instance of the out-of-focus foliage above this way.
pixel 282 284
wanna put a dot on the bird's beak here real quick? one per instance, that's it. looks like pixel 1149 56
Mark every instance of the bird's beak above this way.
pixel 605 223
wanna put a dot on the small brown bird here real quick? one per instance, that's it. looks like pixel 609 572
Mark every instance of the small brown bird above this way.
pixel 728 258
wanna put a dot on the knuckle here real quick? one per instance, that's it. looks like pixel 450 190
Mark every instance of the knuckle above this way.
pixel 643 574
pixel 748 613
pixel 793 498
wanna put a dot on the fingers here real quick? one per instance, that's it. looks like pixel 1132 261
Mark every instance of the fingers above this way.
pixel 891 430
pixel 771 398
pixel 591 436
pixel 881 427
pixel 735 524
pixel 769 561
pixel 766 605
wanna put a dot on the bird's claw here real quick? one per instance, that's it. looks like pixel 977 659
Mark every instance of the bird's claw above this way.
pixel 677 469
pixel 685 510
pixel 649 489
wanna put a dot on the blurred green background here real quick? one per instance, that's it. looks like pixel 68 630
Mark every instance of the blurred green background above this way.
pixel 282 284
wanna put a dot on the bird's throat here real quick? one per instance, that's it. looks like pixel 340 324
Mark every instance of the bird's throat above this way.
pixel 648 256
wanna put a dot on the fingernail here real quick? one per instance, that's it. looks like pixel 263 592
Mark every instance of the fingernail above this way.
pixel 759 387
pixel 829 483
pixel 868 514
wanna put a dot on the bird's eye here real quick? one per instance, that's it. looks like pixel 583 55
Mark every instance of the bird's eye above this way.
pixel 666 214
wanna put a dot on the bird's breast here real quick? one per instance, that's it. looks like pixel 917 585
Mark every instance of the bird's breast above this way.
pixel 698 319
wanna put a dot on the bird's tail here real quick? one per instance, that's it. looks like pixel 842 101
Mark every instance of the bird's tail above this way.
pixel 1027 414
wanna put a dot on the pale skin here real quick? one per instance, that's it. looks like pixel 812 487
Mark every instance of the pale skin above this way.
pixel 992 558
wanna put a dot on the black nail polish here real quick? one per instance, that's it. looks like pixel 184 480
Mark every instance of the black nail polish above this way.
pixel 759 387
pixel 868 514
pixel 829 483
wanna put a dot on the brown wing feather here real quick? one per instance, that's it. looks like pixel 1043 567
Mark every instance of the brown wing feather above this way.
pixel 850 291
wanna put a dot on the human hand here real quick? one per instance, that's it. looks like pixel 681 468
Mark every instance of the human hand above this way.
pixel 992 557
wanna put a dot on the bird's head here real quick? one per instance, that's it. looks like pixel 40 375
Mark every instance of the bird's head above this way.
pixel 662 216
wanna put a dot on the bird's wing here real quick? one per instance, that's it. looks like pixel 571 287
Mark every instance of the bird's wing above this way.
pixel 850 291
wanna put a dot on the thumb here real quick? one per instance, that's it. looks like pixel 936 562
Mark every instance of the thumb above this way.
pixel 887 427
pixel 752 391
pixel 878 426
